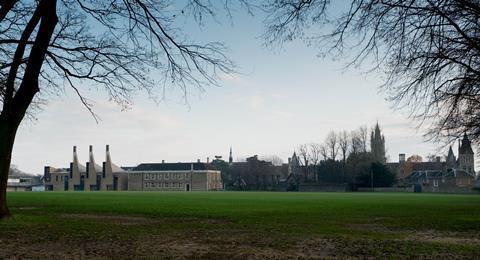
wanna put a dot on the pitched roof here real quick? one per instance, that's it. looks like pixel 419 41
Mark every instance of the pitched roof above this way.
pixel 428 166
pixel 173 167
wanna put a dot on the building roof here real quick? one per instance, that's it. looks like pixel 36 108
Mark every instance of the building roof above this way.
pixel 173 167
pixel 425 174
pixel 428 166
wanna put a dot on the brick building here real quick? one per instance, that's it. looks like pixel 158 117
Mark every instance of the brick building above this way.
pixel 144 177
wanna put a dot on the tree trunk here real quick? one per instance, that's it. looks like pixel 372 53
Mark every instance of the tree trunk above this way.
pixel 8 130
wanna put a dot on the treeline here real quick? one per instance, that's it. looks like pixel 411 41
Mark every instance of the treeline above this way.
pixel 356 158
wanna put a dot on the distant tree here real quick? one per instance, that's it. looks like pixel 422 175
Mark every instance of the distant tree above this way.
pixel 324 152
pixel 344 144
pixel 415 158
pixel 274 159
pixel 433 158
pixel 382 176
pixel 357 163
pixel 304 157
pixel 408 168
pixel 47 45
pixel 224 169
pixel 330 172
pixel 331 142
pixel 314 154
pixel 363 137
pixel 359 140
pixel 429 51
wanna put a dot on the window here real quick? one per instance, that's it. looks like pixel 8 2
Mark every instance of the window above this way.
pixel 56 178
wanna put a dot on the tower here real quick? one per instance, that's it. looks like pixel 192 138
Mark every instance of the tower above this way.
pixel 230 158
pixel 465 155
pixel 451 160
pixel 377 144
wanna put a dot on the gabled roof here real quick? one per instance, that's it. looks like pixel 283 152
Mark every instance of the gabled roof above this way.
pixel 173 167
pixel 459 172
pixel 425 174
pixel 428 166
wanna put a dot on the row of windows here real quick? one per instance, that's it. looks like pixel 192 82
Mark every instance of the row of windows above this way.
pixel 164 184
pixel 166 176
pixel 61 178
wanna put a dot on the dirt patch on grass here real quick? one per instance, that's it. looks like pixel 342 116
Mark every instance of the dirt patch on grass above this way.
pixel 117 219
pixel 444 237
pixel 143 220
pixel 373 227
pixel 241 244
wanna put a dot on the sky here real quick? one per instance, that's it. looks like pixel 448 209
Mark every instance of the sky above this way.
pixel 281 98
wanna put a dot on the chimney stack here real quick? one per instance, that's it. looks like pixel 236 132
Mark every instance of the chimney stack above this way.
pixel 163 161
pixel 438 159
pixel 198 160
pixel 74 148
pixel 90 148
pixel 208 159
pixel 108 148
pixel 401 158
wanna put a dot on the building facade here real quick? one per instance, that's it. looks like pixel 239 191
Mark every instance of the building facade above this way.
pixel 174 177
pixel 455 174
pixel 144 177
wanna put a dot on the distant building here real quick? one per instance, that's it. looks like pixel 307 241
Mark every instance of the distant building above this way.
pixel 452 175
pixel 174 177
pixel 23 183
pixel 89 177
pixel 144 177
pixel 377 145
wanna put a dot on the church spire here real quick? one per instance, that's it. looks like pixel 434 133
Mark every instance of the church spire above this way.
pixel 230 158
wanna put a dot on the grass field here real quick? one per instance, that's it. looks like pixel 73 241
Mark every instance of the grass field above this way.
pixel 241 225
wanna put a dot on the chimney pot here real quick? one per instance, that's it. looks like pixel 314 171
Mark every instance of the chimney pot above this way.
pixel 163 161
pixel 90 148
pixel 108 148
pixel 74 148
pixel 401 158
pixel 198 160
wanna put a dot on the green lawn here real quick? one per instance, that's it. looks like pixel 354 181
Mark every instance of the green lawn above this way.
pixel 241 225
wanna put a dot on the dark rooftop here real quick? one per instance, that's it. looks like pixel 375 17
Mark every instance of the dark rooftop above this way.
pixel 173 167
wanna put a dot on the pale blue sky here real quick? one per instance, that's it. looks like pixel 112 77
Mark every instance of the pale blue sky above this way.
pixel 282 98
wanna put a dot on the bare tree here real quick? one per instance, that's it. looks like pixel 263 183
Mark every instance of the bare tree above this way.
pixel 429 51
pixel 363 137
pixel 315 153
pixel 49 45
pixel 324 152
pixel 344 143
pixel 356 145
pixel 274 159
pixel 304 156
pixel 331 143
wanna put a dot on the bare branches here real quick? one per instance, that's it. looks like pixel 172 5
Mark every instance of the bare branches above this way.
pixel 118 46
pixel 428 50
